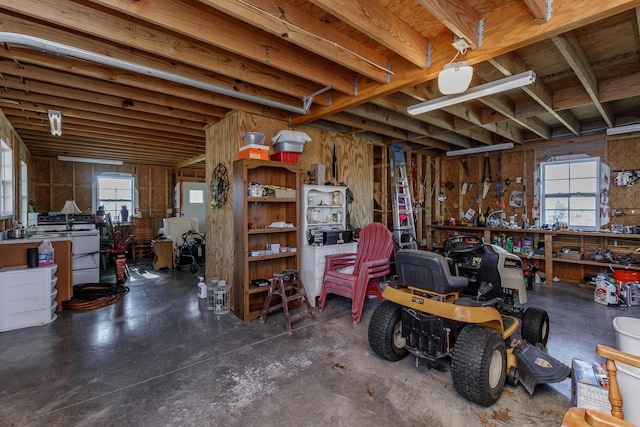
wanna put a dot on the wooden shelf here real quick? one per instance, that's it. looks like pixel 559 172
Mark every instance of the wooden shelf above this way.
pixel 272 256
pixel 271 230
pixel 247 300
pixel 553 240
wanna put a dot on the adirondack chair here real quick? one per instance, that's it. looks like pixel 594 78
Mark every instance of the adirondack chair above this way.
pixel 369 264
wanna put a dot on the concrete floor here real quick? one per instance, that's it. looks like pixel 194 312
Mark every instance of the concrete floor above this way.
pixel 160 358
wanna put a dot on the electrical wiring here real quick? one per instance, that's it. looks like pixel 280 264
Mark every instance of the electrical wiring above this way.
pixel 91 296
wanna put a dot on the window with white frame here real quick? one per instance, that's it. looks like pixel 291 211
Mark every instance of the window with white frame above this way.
pixel 570 193
pixel 6 179
pixel 115 191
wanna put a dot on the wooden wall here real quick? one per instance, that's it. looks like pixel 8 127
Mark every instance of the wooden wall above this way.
pixel 56 181
pixel 620 153
pixel 223 140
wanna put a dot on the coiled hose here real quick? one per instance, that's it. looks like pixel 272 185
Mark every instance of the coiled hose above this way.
pixel 90 296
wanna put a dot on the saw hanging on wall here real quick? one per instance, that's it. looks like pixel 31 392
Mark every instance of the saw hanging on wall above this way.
pixel 486 176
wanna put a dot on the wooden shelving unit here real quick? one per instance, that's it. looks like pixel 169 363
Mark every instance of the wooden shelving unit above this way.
pixel 253 216
pixel 554 241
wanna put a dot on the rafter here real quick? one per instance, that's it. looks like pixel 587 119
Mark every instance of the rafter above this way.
pixel 573 53
pixel 370 17
pixel 457 16
pixel 232 35
pixel 174 48
pixel 285 21
pixel 506 29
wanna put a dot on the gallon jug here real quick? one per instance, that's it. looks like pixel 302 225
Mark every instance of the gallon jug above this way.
pixel 202 288
pixel 45 253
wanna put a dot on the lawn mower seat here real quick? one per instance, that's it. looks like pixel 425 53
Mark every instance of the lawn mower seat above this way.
pixel 427 270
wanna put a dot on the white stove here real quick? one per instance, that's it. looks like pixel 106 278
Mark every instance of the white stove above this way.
pixel 85 243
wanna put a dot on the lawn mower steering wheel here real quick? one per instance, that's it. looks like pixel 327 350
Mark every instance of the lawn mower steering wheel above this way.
pixel 461 244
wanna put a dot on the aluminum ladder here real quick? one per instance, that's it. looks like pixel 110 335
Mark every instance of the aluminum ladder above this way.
pixel 404 229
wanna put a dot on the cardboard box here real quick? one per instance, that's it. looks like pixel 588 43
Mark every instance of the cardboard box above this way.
pixel 589 386
pixel 281 193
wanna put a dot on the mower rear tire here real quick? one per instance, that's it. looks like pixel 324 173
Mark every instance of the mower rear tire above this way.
pixel 385 332
pixel 479 365
pixel 535 326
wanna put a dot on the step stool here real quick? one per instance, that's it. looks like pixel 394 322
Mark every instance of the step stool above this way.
pixel 288 286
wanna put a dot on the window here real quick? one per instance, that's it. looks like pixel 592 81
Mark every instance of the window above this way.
pixel 196 196
pixel 6 179
pixel 24 203
pixel 114 191
pixel 570 193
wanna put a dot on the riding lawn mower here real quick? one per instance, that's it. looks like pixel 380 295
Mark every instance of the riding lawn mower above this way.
pixel 462 305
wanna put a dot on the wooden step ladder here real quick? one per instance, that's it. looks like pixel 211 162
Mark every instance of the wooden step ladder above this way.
pixel 288 286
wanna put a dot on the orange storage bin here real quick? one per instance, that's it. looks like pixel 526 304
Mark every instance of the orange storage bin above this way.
pixel 254 151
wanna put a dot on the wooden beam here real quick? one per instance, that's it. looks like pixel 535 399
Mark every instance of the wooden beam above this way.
pixel 538 9
pixel 510 64
pixel 143 83
pixel 354 121
pixel 173 48
pixel 192 161
pixel 458 16
pixel 56 94
pixel 506 29
pixel 570 48
pixel 232 35
pixel 284 20
pixel 374 20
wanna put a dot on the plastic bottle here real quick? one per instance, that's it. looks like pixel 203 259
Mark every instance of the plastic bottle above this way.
pixel 509 244
pixel 202 288
pixel 45 254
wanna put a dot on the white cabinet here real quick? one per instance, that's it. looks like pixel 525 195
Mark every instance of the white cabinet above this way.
pixel 85 246
pixel 324 210
pixel 27 296
pixel 313 262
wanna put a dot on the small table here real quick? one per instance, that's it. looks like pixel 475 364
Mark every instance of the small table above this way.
pixel 163 257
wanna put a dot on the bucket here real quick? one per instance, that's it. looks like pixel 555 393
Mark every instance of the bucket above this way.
pixel 628 341
pixel 626 275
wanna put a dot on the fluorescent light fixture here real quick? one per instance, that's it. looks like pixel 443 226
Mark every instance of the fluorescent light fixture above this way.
pixel 55 121
pixel 511 82
pixel 455 78
pixel 623 129
pixel 90 160
pixel 494 147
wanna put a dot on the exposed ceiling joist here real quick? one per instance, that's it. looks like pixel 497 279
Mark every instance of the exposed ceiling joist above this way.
pixel 370 17
pixel 573 53
pixel 459 17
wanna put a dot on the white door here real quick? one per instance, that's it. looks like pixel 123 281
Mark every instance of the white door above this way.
pixel 194 203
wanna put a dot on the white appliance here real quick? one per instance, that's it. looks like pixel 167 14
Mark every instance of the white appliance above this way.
pixel 324 208
pixel 27 296
pixel 85 248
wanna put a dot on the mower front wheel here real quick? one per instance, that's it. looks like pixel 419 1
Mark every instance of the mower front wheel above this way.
pixel 479 365
pixel 385 332
pixel 535 326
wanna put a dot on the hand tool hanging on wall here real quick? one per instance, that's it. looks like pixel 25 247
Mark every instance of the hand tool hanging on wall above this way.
pixel 465 166
pixel 486 176
pixel 334 164
pixel 499 185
